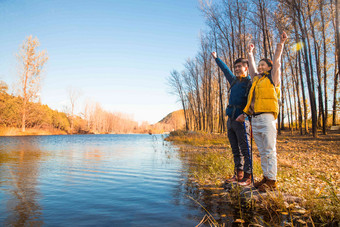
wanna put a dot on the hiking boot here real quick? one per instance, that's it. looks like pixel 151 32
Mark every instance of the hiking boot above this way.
pixel 237 177
pixel 259 183
pixel 269 185
pixel 246 180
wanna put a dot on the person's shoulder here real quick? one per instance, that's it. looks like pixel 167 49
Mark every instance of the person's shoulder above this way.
pixel 256 77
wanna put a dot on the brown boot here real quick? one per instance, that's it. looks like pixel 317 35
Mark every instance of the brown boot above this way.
pixel 237 177
pixel 269 185
pixel 246 180
pixel 259 183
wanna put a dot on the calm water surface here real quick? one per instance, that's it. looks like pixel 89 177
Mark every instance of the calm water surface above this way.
pixel 93 180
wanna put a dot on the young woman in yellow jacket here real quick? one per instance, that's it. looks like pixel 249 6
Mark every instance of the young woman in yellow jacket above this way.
pixel 263 106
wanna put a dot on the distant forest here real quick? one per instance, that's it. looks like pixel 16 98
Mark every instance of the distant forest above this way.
pixel 93 120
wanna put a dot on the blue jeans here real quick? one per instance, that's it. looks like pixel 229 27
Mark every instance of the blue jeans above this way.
pixel 239 138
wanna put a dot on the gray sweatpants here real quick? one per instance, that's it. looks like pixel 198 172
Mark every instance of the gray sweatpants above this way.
pixel 239 138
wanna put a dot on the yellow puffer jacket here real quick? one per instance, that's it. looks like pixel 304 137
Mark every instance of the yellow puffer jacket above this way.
pixel 266 96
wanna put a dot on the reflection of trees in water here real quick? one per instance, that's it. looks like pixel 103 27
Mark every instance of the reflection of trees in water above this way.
pixel 22 165
pixel 95 155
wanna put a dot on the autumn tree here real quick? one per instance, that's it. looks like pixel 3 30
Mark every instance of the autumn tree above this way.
pixel 31 63
pixel 310 61
pixel 176 86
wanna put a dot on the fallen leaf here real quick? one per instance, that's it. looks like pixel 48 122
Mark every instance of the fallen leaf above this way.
pixel 239 221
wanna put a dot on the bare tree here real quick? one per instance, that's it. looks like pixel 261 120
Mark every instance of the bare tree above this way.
pixel 31 63
pixel 73 94
pixel 307 67
pixel 175 83
pixel 324 27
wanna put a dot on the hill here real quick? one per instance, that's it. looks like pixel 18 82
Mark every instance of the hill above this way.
pixel 173 121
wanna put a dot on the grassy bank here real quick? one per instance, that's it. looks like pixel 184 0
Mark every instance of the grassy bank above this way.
pixel 308 168
pixel 11 131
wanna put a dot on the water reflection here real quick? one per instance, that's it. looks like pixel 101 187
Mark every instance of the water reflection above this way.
pixel 119 180
pixel 21 166
pixel 95 155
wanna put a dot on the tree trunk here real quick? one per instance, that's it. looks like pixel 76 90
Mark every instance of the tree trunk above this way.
pixel 282 105
pixel 308 73
pixel 336 81
pixel 318 72
pixel 23 124
pixel 321 4
pixel 337 51
pixel 295 109
pixel 297 84
pixel 220 94
pixel 231 17
pixel 290 113
pixel 263 30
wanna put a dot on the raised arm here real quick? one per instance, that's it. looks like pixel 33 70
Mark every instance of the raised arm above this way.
pixel 252 66
pixel 276 71
pixel 227 72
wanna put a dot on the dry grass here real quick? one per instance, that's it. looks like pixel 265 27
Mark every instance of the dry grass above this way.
pixel 308 168
pixel 11 131
pixel 197 138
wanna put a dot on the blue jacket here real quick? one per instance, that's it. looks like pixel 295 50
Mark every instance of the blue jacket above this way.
pixel 238 92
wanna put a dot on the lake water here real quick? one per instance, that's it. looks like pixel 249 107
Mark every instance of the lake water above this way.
pixel 94 180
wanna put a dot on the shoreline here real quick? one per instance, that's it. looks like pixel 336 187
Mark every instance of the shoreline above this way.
pixel 11 131
pixel 8 132
pixel 308 169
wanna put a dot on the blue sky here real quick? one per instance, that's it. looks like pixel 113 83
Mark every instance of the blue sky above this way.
pixel 118 53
